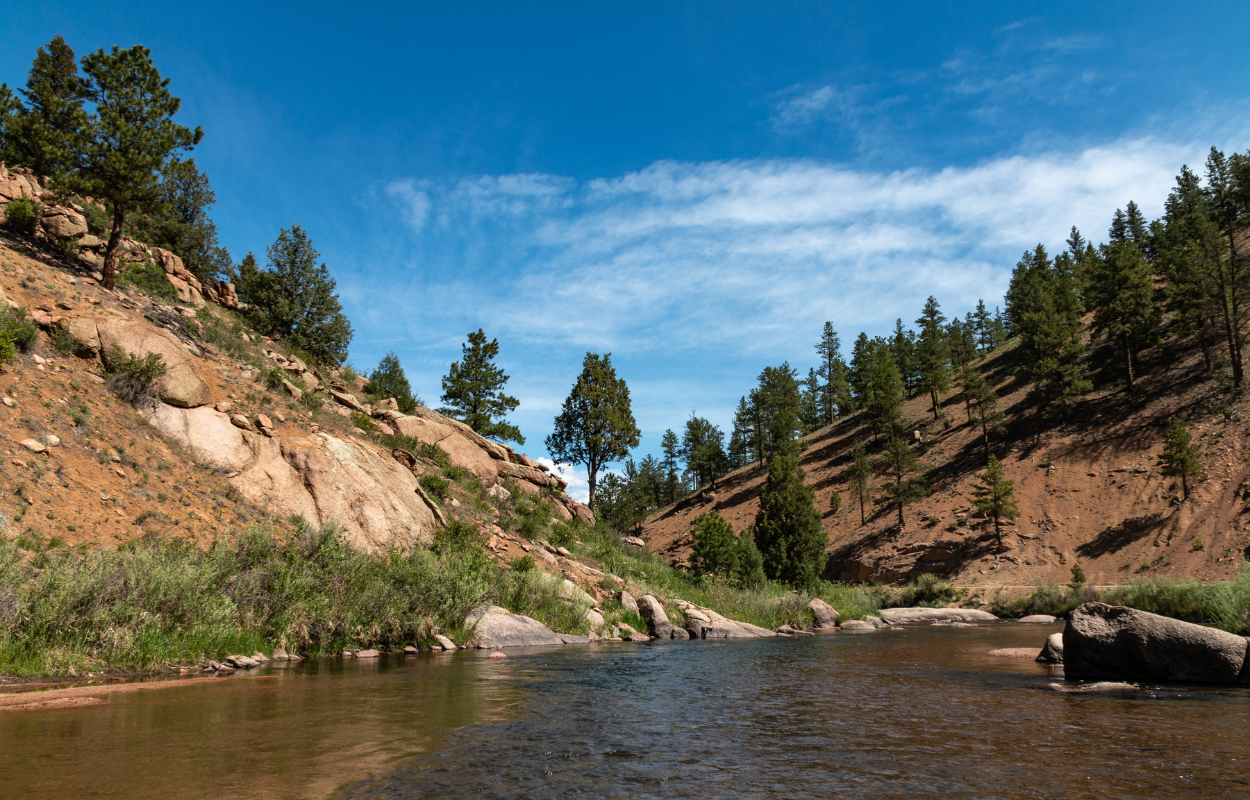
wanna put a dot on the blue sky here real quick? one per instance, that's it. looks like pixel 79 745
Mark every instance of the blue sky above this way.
pixel 695 187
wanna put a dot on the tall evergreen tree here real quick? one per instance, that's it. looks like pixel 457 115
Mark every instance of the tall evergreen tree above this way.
pixel 811 403
pixel 984 328
pixel 295 297
pixel 473 391
pixel 859 474
pixel 703 449
pixel 900 463
pixel 903 346
pixel 832 371
pixel 932 353
pixel 47 133
pixel 787 526
pixel 181 224
pixel 777 406
pixel 1228 200
pixel 1180 455
pixel 388 380
pixel 1123 292
pixel 742 442
pixel 670 446
pixel 982 401
pixel 880 385
pixel 1043 309
pixel 596 424
pixel 128 139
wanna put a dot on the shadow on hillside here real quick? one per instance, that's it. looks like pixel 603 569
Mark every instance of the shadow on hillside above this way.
pixel 1117 537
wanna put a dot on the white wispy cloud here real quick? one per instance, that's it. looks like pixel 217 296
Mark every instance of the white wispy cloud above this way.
pixel 413 204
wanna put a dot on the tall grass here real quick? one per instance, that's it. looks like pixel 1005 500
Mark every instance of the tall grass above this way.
pixel 155 604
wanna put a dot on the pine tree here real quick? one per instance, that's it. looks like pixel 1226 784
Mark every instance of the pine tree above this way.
pixel 46 133
pixel 982 404
pixel 882 387
pixel 715 548
pixel 742 441
pixel 1228 200
pixel 1123 292
pixel 1180 455
pixel 473 390
pixel 1190 250
pixel 859 475
pixel 703 448
pixel 812 407
pixel 903 347
pixel 750 561
pixel 295 297
pixel 932 353
pixel 995 497
pixel 388 380
pixel 777 408
pixel 899 463
pixel 596 425
pixel 787 526
pixel 181 224
pixel 984 328
pixel 832 371
pixel 127 139
pixel 1043 309
pixel 670 446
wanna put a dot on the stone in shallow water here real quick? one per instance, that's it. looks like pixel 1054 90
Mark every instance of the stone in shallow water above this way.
pixel 1052 651
pixel 1037 619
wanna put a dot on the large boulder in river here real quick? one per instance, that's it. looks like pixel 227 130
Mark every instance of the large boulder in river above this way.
pixel 181 385
pixel 495 626
pixel 1112 642
pixel 825 615
pixel 330 480
pixel 652 611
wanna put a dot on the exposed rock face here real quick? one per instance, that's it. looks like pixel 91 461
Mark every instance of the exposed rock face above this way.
pixel 657 620
pixel 180 386
pixel 495 627
pixel 86 333
pixel 901 616
pixel 826 617
pixel 209 434
pixel 63 223
pixel 329 480
pixel 704 623
pixel 1116 643
pixel 1052 651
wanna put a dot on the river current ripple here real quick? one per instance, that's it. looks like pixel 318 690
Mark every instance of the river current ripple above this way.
pixel 906 713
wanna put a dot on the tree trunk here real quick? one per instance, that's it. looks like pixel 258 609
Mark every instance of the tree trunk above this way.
pixel 998 532
pixel 862 519
pixel 1238 373
pixel 985 433
pixel 110 251
pixel 1204 339
pixel 1184 486
pixel 1128 350
pixel 1228 310
pixel 592 474
pixel 933 394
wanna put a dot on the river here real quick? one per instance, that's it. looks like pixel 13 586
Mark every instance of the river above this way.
pixel 908 712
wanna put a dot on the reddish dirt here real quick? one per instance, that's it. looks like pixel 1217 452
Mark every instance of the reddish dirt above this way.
pixel 1089 490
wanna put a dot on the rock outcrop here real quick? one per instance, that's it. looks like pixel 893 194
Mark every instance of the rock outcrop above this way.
pixel 1103 642
pixel 181 385
pixel 652 611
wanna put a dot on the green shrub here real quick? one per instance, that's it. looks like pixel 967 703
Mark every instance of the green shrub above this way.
pixel 22 215
pixel 149 278
pixel 435 485
pixel 133 379
pixel 99 220
pixel 523 564
pixel 835 503
pixel 63 341
pixel 18 328
pixel 362 421
pixel 457 537
pixel 313 402
pixel 8 350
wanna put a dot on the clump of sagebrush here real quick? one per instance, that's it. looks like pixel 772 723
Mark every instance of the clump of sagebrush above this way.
pixel 152 603
pixel 17 333
pixel 133 378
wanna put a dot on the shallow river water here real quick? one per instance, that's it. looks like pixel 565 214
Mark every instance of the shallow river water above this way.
pixel 907 712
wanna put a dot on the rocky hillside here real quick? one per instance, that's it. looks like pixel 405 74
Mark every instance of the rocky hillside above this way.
pixel 1090 490
pixel 240 430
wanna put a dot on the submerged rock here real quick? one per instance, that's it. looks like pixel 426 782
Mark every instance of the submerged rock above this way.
pixel 1117 643
pixel 902 616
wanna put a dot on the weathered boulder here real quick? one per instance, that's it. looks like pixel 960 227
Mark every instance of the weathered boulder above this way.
pixel 63 223
pixel 467 456
pixel 444 643
pixel 826 616
pixel 1117 643
pixel 208 434
pixel 181 385
pixel 627 601
pixel 330 480
pixel 1052 651
pixel 856 625
pixel 1037 619
pixel 902 616
pixel 346 399
pixel 495 627
pixel 583 513
pixel 85 333
pixel 652 611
